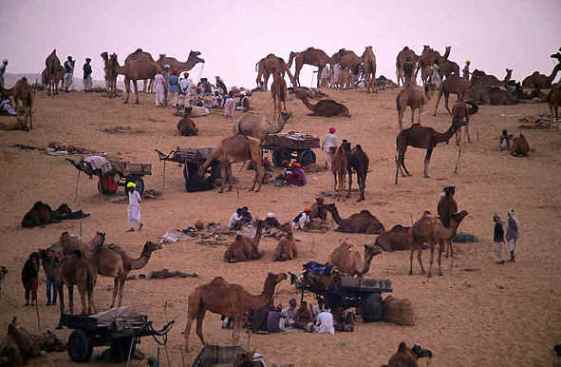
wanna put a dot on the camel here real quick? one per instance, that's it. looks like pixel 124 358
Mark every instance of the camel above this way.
pixel 339 167
pixel 480 77
pixel 520 147
pixel 114 262
pixel 58 78
pixel 53 66
pixel 413 97
pixel 554 100
pixel 257 125
pixel 398 238
pixel 244 248
pixel 187 127
pixel 74 271
pixel 348 60
pixel 369 61
pixel 453 84
pixel 227 299
pixel 286 248
pixel 448 68
pixel 268 66
pixel 461 112
pixel 427 59
pixel 237 148
pixel 406 55
pixel 424 138
pixel 326 108
pixel 310 56
pixel 357 161
pixel 347 259
pixel 138 66
pixel 430 230
pixel 539 81
pixel 22 92
pixel 404 357
pixel 312 93
pixel 176 66
pixel 362 222
pixel 111 68
pixel 278 93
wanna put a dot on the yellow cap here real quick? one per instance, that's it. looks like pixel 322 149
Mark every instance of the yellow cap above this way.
pixel 131 185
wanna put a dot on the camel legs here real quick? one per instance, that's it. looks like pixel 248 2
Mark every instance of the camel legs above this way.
pixel 297 68
pixel 437 102
pixel 419 111
pixel 115 291
pixel 431 259
pixel 135 85
pixel 335 181
pixel 350 174
pixel 427 162
pixel 71 299
pixel 229 175
pixel 446 98
pixel 440 244
pixel 420 258
pixel 200 319
pixel 127 90
pixel 121 289
pixel 259 175
pixel 400 119
pixel 237 330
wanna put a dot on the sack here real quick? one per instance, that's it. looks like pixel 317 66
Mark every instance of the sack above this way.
pixel 399 311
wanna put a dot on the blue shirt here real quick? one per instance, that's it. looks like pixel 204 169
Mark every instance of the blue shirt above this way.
pixel 173 83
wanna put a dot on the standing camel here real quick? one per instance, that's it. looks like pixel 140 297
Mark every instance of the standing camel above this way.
pixel 269 65
pixel 554 100
pixel 111 68
pixel 53 66
pixel 348 260
pixel 406 55
pixel 424 138
pixel 178 66
pixel 138 66
pixel 452 85
pixel 369 62
pixel 310 56
pixel 413 97
pixel 278 92
pixel 339 167
pixel 227 299
pixel 357 161
pixel 23 101
pixel 237 148
pixel 257 126
pixel 430 230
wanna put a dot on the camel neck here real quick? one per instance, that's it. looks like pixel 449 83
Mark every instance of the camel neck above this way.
pixel 258 232
pixel 141 261
pixel 444 137
pixel 335 213
pixel 307 103
pixel 367 261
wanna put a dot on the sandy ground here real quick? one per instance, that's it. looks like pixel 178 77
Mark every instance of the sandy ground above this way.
pixel 493 316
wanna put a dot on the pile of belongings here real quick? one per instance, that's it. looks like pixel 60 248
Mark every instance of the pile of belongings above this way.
pixel 56 148
pixel 41 214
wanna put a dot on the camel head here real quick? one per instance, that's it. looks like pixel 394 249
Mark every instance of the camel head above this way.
pixel 99 238
pixel 372 250
pixel 459 217
pixel 195 56
pixel 150 247
pixel 285 116
pixel 346 112
pixel 276 278
pixel 346 146
pixel 104 55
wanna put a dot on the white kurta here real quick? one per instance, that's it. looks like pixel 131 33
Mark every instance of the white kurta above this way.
pixel 134 208
pixel 160 89
pixel 325 323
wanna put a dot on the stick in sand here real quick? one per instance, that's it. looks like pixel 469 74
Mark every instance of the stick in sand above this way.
pixel 38 317
pixel 458 160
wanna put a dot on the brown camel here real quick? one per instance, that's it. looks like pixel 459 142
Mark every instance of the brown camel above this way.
pixel 339 167
pixel 244 248
pixel 554 101
pixel 453 84
pixel 187 127
pixel 58 78
pixel 539 81
pixel 460 112
pixel 138 66
pixel 22 92
pixel 53 67
pixel 404 357
pixel 420 137
pixel 310 56
pixel 227 299
pixel 427 59
pixel 406 55
pixel 237 148
pixel 357 161
pixel 369 62
pixel 269 65
pixel 348 60
pixel 286 248
pixel 520 147
pixel 278 93
pixel 362 222
pixel 257 125
pixel 114 262
pixel 111 68
pixel 413 97
pixel 398 238
pixel 74 271
pixel 326 108
pixel 347 259
pixel 178 66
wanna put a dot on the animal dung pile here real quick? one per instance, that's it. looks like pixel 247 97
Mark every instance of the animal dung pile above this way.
pixel 399 311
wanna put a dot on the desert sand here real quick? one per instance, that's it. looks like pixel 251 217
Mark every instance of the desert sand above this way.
pixel 477 314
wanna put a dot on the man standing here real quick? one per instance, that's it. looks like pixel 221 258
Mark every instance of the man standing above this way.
pixel 3 71
pixel 87 75
pixel 512 233
pixel 465 71
pixel 68 73
pixel 184 90
pixel 329 147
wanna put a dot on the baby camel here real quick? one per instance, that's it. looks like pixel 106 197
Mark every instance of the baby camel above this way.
pixel 244 248
pixel 286 248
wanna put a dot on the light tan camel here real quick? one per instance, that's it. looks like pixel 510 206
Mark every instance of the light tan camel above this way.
pixel 413 97
pixel 176 66
pixel 138 66
pixel 310 56
pixel 430 230
pixel 286 248
pixel 339 167
pixel 237 148
pixel 406 55
pixel 398 238
pixel 257 125
pixel 541 81
pixel 269 65
pixel 278 93
pixel 347 259
pixel 22 92
pixel 114 262
pixel 226 299
pixel 244 248
pixel 520 146
pixel 53 66
pixel 111 68
pixel 369 62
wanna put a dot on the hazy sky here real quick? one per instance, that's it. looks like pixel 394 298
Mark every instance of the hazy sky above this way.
pixel 234 35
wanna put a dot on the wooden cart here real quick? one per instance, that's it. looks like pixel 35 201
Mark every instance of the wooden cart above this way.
pixel 292 145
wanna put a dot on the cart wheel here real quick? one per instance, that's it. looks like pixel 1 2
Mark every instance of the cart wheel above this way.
pixel 280 156
pixel 307 157
pixel 372 308
pixel 120 349
pixel 80 346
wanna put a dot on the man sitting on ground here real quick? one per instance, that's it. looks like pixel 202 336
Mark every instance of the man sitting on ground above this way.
pixel 324 323
pixel 235 222
pixel 302 220
pixel 304 318
pixel 289 314
pixel 295 175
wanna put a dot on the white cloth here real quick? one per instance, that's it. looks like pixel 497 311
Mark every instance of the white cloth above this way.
pixel 185 85
pixel 6 106
pixel 499 250
pixel 229 107
pixel 329 141
pixel 198 111
pixel 302 221
pixel 511 245
pixel 324 323
pixel 234 219
pixel 134 208
pixel 98 162
pixel 336 74
pixel 160 89
pixel 68 79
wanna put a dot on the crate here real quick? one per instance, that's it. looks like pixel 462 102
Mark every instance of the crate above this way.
pixel 126 168
pixel 293 141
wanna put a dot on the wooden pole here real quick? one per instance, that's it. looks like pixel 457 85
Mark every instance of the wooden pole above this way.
pixel 457 168
pixel 38 317
pixel 164 177
pixel 76 189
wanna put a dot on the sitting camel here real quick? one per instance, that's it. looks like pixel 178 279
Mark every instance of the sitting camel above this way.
pixel 187 127
pixel 226 299
pixel 404 357
pixel 244 248
pixel 286 248
pixel 421 137
pixel 325 108
pixel 23 101
pixel 362 222
pixel 430 230
pixel 347 259
pixel 520 147
pixel 396 239
pixel 237 148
